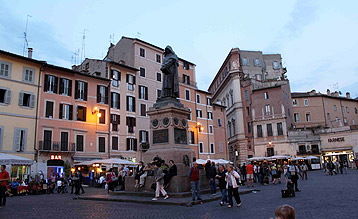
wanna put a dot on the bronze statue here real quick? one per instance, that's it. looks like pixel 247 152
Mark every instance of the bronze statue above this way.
pixel 170 74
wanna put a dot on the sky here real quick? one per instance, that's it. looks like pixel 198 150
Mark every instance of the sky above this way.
pixel 317 39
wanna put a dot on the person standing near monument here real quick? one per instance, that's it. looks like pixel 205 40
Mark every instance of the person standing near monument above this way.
pixel 159 175
pixel 212 175
pixel 195 182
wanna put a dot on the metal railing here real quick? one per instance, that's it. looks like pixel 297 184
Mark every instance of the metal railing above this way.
pixel 57 146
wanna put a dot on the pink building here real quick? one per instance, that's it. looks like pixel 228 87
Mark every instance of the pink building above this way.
pixel 73 123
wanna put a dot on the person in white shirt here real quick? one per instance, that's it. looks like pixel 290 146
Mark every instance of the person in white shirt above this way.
pixel 232 185
pixel 294 171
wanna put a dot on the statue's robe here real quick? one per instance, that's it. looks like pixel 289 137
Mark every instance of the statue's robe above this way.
pixel 170 75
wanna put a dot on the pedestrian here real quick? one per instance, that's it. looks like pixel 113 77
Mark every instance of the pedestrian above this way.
pixel 304 170
pixel 111 180
pixel 243 173
pixel 261 174
pixel 341 166
pixel 274 173
pixel 195 182
pixel 172 172
pixel 59 185
pixel 256 173
pixel 286 172
pixel 221 176
pixel 336 165
pixel 233 180
pixel 139 172
pixel 294 171
pixel 80 176
pixel 265 173
pixel 285 212
pixel 279 172
pixel 159 179
pixel 207 168
pixel 250 175
pixel 212 175
pixel 4 178
pixel 76 183
pixel 345 165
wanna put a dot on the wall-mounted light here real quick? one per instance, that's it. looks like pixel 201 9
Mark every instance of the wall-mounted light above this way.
pixel 95 110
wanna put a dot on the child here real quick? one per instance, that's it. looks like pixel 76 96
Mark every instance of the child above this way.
pixel 285 212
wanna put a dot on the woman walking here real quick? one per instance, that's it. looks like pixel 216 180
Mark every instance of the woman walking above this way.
pixel 159 175
pixel 232 185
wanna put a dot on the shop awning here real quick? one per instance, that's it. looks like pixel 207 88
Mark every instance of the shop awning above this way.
pixel 280 157
pixel 8 159
pixel 336 149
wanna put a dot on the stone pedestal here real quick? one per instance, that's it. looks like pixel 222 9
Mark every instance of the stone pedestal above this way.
pixel 169 131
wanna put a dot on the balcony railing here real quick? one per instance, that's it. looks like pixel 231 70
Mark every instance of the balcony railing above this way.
pixel 187 82
pixel 53 146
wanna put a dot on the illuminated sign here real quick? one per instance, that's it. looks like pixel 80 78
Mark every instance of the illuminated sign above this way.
pixel 330 140
pixel 56 157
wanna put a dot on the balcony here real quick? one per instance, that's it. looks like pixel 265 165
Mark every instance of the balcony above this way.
pixel 185 81
pixel 53 146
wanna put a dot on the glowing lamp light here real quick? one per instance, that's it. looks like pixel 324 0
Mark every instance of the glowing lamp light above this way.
pixel 79 168
pixel 201 128
pixel 92 171
pixel 99 115
pixel 95 108
pixel 72 169
pixel 270 143
pixel 97 165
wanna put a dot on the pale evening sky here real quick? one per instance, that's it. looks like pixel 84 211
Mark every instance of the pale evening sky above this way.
pixel 317 39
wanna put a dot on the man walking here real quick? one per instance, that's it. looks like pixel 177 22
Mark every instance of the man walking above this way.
pixel 250 175
pixel 222 184
pixel 212 175
pixel 195 182
pixel 304 169
pixel 4 178
pixel 294 171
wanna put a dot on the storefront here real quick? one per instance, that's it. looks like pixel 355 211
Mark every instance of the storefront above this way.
pixel 338 154
pixel 18 167
pixel 55 166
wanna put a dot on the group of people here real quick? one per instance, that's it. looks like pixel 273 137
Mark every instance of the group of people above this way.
pixel 115 178
pixel 335 167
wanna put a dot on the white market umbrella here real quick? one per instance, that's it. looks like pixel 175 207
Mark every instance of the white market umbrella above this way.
pixel 200 161
pixel 258 158
pixel 311 157
pixel 298 158
pixel 8 159
pixel 115 161
pixel 222 161
pixel 280 157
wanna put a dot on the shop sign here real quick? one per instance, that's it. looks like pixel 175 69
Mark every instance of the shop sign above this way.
pixel 330 140
pixel 56 157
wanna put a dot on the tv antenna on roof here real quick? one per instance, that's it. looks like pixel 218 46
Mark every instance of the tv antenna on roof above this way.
pixel 26 42
pixel 83 49
pixel 111 38
pixel 138 35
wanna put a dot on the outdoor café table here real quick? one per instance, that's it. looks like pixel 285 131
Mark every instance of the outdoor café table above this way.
pixel 20 189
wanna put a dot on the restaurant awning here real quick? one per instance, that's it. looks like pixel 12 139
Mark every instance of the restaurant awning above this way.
pixel 336 149
pixel 8 159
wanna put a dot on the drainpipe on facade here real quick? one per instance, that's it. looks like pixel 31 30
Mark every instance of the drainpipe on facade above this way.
pixel 207 128
pixel 109 110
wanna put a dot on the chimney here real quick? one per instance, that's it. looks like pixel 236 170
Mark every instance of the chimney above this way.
pixel 348 95
pixel 328 92
pixel 29 53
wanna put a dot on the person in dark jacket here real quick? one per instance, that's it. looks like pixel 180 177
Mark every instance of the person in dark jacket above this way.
pixel 243 173
pixel 212 175
pixel 207 169
pixel 139 172
pixel 172 172
pixel 222 184
pixel 195 181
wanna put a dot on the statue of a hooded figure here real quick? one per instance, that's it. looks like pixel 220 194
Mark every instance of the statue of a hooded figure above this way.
pixel 170 74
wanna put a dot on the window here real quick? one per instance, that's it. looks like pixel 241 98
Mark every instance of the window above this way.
pixel 211 130
pixel 259 131
pixel 49 109
pixel 28 75
pixel 189 116
pixel 115 100
pixel 210 115
pixel 199 113
pixel 220 123
pixel 20 136
pixel 201 147
pixel 5 69
pixel 269 129
pixel 102 94
pixel 116 77
pixel 186 66
pixel 232 98
pixel 347 110
pixel 355 110
pixel 335 107
pixel 306 102
pixel 64 141
pixel 101 144
pixel 208 101
pixel 245 61
pixel 187 94
pixel 131 144
pixel 143 110
pixel 302 149
pixel 248 110
pixel 294 102
pixel 131 123
pixel 198 98
pixel 143 136
pixel 233 127
pixel 266 96
pixel 345 120
pixel 308 117
pixel 26 100
pixel 267 110
pixel 158 58
pixel 102 119
pixel 143 92
pixel 297 117
pixel 159 93
pixel 212 148
pixel 159 77
pixel 87 66
pixel 246 95
pixel 337 119
pixel 270 152
pixel 115 120
pixel 47 141
pixel 257 62
pixel 115 143
pixel 65 87
pixel 328 117
pixel 249 127
pixel 221 147
pixel 81 113
pixel 5 96
pixel 50 84
pixel 186 79
pixel 142 52
pixel 314 149
pixel 191 137
pixel 130 104
pixel 130 81
pixel 142 72
pixel 81 90
pixel 79 142
pixel 279 128
pixel 65 111
pixel 229 129
pixel 276 65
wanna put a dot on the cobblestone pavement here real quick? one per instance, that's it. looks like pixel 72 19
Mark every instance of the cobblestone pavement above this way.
pixel 320 197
